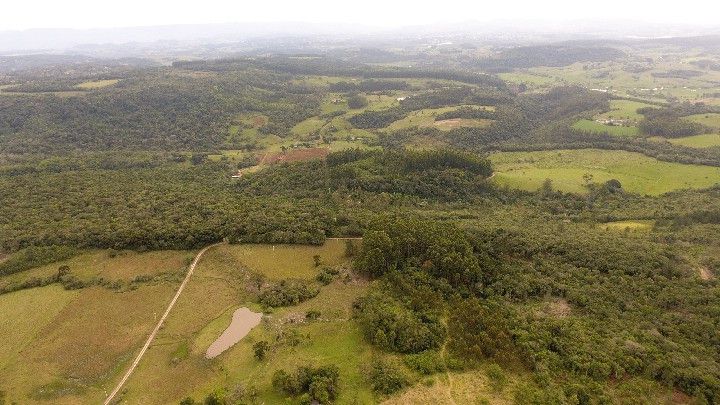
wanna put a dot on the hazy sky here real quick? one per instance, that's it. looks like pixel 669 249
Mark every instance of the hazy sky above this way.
pixel 23 14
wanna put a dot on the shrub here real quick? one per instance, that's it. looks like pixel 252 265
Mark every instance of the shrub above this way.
pixel 319 384
pixel 386 378
pixel 260 349
pixel 324 277
pixel 327 274
pixel 426 363
pixel 287 293
pixel 212 399
pixel 356 101
pixel 497 377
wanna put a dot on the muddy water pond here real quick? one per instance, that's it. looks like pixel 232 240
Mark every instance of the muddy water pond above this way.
pixel 243 320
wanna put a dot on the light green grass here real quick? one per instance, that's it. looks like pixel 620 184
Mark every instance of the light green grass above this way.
pixel 624 110
pixel 596 127
pixel 286 261
pixel 123 266
pixel 427 117
pixel 532 80
pixel 97 84
pixel 637 173
pixel 25 314
pixel 711 120
pixel 697 141
pixel 333 339
pixel 308 126
pixel 337 146
pixel 82 340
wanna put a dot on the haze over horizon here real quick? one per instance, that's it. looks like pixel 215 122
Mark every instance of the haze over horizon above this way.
pixel 85 14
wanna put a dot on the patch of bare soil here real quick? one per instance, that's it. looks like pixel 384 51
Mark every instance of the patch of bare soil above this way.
pixel 558 308
pixel 705 274
pixel 297 155
pixel 258 121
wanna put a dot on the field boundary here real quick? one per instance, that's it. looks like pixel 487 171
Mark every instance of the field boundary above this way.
pixel 151 337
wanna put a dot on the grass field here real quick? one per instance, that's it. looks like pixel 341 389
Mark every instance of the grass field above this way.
pixel 426 118
pixel 175 367
pixel 624 110
pixel 308 126
pixel 698 141
pixel 596 127
pixel 286 261
pixel 67 345
pixel 97 84
pixel 711 120
pixel 25 314
pixel 118 266
pixel 475 387
pixel 566 168
pixel 532 80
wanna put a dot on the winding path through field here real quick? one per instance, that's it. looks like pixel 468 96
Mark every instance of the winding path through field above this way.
pixel 157 327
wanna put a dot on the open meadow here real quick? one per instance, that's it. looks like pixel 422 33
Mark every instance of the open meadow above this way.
pixel 574 170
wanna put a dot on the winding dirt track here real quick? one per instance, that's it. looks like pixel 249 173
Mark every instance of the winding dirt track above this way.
pixel 157 327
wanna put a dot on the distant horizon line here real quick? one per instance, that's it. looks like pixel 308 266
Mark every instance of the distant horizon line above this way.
pixel 538 22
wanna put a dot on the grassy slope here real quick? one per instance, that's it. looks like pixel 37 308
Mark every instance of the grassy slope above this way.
pixel 175 366
pixel 98 263
pixel 426 118
pixel 596 127
pixel 637 173
pixel 97 84
pixel 67 346
pixel 698 141
pixel 87 337
pixel 623 109
pixel 711 120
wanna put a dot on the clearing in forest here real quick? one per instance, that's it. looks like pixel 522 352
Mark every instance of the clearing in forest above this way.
pixel 574 170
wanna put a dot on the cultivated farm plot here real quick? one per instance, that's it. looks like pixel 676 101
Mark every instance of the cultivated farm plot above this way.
pixel 568 169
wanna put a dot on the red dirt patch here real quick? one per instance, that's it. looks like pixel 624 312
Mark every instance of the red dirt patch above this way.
pixel 258 121
pixel 297 155
pixel 680 398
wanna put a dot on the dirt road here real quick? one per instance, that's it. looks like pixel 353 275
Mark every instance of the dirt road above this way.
pixel 157 327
